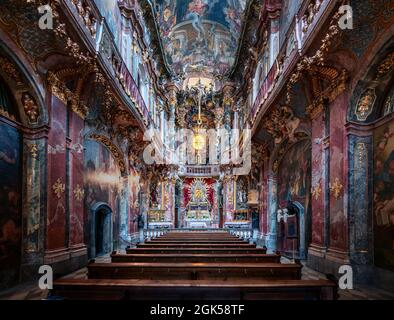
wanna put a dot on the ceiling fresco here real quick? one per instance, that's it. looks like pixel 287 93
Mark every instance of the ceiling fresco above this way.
pixel 200 36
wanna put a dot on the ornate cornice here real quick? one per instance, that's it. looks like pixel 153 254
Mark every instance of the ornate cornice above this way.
pixel 59 89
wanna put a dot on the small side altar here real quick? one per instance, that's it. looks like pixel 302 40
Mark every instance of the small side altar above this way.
pixel 241 220
pixel 156 220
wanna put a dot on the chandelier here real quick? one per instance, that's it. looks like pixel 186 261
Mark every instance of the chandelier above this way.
pixel 199 139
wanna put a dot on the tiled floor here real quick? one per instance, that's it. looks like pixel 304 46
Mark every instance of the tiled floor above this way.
pixel 32 292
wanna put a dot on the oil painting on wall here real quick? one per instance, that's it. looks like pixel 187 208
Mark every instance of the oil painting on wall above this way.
pixel 384 196
pixel 10 206
pixel 294 177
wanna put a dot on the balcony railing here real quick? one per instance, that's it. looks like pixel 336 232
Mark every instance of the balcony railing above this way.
pixel 88 16
pixel 310 15
pixel 264 92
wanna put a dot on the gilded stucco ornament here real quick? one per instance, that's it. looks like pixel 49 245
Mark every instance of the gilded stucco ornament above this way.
pixel 365 104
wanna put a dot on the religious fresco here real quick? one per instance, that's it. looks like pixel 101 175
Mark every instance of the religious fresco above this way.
pixel 200 35
pixel 294 183
pixel 10 205
pixel 102 178
pixel 294 174
pixel 384 196
pixel 110 11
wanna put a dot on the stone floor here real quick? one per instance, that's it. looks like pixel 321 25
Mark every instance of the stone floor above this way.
pixel 31 291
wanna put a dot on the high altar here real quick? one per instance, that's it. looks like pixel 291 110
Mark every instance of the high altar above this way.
pixel 198 210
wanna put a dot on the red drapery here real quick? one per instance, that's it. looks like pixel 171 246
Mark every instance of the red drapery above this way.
pixel 209 183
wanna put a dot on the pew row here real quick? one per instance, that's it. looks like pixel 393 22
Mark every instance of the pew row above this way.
pixel 187 241
pixel 71 289
pixel 194 245
pixel 196 250
pixel 185 257
pixel 194 271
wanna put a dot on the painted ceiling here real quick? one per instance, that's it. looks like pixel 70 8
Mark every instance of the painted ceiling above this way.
pixel 200 37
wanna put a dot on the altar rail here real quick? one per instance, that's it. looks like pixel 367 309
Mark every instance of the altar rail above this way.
pixel 243 234
pixel 246 234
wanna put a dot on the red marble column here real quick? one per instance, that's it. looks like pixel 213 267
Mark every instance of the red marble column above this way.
pixel 338 242
pixel 77 193
pixel 56 182
pixel 318 185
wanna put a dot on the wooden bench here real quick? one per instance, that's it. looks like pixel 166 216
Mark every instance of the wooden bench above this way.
pixel 194 245
pixel 194 271
pixel 184 258
pixel 154 241
pixel 215 251
pixel 190 290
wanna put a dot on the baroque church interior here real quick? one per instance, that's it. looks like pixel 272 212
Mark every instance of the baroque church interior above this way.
pixel 195 149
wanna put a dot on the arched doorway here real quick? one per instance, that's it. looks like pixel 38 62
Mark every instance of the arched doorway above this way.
pixel 101 239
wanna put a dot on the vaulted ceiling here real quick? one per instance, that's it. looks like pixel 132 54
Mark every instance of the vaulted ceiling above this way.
pixel 200 37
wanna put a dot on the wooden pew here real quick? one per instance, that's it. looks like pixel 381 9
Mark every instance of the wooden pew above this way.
pixel 184 258
pixel 153 241
pixel 194 271
pixel 189 290
pixel 178 250
pixel 195 245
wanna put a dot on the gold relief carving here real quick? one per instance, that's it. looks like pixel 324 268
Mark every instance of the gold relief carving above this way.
pixel 310 13
pixel 60 91
pixel 336 188
pixel 316 192
pixel 306 63
pixel 10 70
pixel 33 150
pixel 361 150
pixel 79 193
pixel 281 123
pixel 365 104
pixel 59 188
pixel 30 107
pixel 337 87
pixel 386 66
pixel 6 114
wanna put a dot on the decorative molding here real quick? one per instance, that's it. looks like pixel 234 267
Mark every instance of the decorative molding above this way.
pixel 33 150
pixel 336 188
pixel 60 91
pixel 386 66
pixel 337 87
pixel 30 107
pixel 79 193
pixel 365 104
pixel 10 70
pixel 317 191
pixel 59 188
